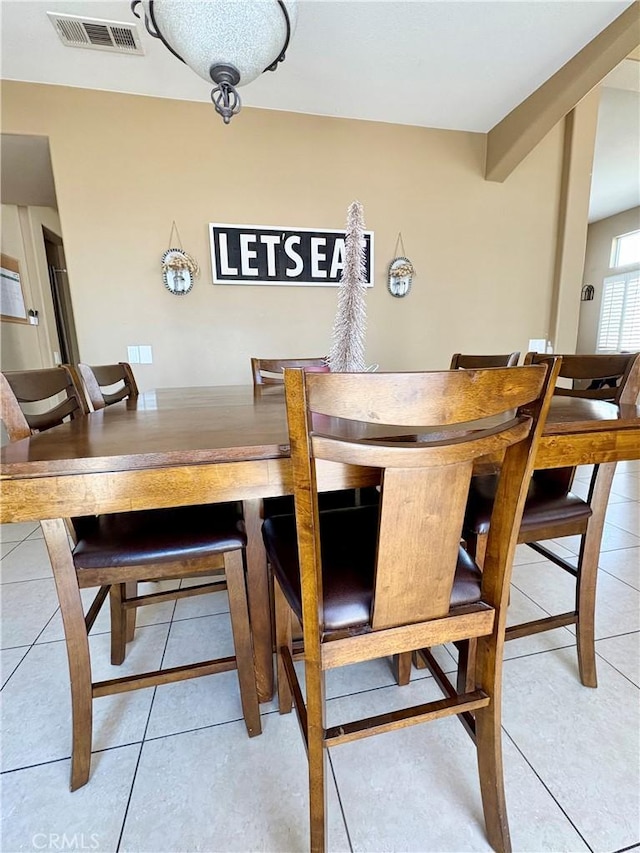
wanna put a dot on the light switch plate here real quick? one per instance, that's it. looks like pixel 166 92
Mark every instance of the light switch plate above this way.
pixel 146 355
pixel 133 355
pixel 538 345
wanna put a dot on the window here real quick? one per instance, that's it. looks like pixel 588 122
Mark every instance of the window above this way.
pixel 619 329
pixel 626 250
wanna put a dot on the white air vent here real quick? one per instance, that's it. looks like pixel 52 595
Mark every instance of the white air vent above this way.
pixel 94 34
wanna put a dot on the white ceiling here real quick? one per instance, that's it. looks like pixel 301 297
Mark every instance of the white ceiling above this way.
pixel 431 63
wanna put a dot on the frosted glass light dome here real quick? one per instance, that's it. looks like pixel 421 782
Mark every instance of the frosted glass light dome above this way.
pixel 248 35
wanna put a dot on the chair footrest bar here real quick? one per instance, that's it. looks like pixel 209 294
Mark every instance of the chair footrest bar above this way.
pixel 405 717
pixel 444 683
pixel 173 594
pixel 538 625
pixel 96 606
pixel 162 676
pixel 296 693
pixel 559 561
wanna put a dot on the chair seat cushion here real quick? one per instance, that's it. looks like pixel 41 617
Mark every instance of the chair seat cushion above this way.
pixel 348 539
pixel 547 503
pixel 157 536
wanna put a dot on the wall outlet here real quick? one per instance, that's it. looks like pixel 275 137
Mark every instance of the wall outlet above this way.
pixel 146 355
pixel 133 355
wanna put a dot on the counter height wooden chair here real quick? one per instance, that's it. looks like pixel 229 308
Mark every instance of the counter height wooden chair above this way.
pixel 473 362
pixel 553 510
pixel 37 400
pixel 100 382
pixel 375 581
pixel 111 551
pixel 269 371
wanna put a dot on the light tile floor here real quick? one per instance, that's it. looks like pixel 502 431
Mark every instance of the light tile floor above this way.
pixel 173 769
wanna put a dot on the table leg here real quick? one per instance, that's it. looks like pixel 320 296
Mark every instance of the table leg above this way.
pixel 259 600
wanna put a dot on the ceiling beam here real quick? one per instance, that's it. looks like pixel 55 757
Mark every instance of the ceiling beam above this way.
pixel 509 142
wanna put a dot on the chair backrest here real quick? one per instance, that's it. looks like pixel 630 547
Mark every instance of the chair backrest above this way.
pixel 97 378
pixel 269 371
pixel 425 477
pixel 615 378
pixel 473 362
pixel 31 399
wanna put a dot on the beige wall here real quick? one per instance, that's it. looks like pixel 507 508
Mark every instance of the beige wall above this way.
pixel 600 237
pixel 26 347
pixel 126 166
pixel 579 138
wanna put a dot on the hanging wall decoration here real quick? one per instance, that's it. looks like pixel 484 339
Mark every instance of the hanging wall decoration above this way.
pixel 588 293
pixel 178 268
pixel 401 271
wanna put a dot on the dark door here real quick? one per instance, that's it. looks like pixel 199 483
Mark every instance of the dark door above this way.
pixel 62 307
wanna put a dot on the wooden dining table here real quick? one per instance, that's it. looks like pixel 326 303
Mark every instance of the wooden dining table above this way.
pixel 185 446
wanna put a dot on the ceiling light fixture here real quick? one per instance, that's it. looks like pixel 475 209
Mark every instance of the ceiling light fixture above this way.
pixel 230 42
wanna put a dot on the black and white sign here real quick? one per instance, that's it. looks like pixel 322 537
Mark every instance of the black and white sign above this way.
pixel 256 254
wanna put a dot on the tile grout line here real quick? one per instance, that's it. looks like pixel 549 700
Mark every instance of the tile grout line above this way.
pixel 39 634
pixel 11 770
pixel 13 671
pixel 27 580
pixel 344 817
pixel 613 666
pixel 626 583
pixel 547 789
pixel 144 733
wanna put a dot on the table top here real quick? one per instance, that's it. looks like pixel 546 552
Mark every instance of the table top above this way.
pixel 235 423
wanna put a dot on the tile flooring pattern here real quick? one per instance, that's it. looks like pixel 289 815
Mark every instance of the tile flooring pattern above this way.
pixel 173 769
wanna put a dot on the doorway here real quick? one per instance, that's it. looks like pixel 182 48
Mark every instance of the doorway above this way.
pixel 61 295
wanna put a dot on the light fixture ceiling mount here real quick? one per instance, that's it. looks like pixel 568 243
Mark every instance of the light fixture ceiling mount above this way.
pixel 229 42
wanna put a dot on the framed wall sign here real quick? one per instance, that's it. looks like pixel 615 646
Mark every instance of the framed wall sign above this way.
pixel 259 254
pixel 12 307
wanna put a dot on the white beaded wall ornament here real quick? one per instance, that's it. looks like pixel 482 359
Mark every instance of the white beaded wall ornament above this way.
pixel 178 268
pixel 401 272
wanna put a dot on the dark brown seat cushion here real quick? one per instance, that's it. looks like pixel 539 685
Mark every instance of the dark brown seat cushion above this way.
pixel 348 543
pixel 157 536
pixel 549 501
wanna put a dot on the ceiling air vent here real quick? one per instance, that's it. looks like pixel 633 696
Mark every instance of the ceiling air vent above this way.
pixel 94 34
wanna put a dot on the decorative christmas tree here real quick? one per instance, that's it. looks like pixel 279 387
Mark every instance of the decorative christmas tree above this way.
pixel 349 327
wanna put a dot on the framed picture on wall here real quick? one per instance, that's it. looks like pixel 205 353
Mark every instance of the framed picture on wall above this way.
pixel 271 254
pixel 12 307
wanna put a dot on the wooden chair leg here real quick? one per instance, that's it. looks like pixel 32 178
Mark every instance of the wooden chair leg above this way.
pixel 317 758
pixel 418 661
pixel 118 623
pixel 588 577
pixel 402 668
pixel 466 676
pixel 585 628
pixel 258 585
pixel 55 535
pixel 479 548
pixel 131 591
pixel 283 638
pixel 489 749
pixel 239 610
